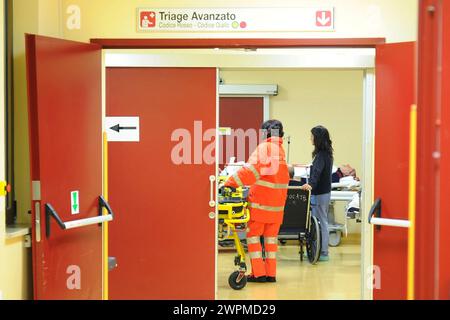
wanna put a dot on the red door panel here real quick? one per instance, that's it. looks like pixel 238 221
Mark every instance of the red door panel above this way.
pixel 65 121
pixel 239 113
pixel 163 239
pixel 395 80
pixel 432 273
pixel 444 217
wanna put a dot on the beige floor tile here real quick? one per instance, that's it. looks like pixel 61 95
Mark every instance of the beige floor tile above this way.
pixel 338 278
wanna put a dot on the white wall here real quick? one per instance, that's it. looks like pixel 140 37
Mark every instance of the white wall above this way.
pixel 396 20
pixel 14 264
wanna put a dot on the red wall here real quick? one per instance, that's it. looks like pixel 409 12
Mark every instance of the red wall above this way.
pixel 433 163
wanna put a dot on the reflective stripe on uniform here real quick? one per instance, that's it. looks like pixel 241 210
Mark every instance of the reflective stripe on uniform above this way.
pixel 255 255
pixel 254 171
pixel 266 208
pixel 271 240
pixel 271 184
pixel 271 255
pixel 253 240
pixel 238 180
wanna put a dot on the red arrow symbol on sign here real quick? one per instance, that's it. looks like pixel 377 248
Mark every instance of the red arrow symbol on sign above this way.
pixel 323 19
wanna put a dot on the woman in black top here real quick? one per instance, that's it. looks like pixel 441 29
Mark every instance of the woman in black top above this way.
pixel 320 182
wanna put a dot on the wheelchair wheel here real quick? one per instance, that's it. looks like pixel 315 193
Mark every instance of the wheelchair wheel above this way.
pixel 234 283
pixel 313 241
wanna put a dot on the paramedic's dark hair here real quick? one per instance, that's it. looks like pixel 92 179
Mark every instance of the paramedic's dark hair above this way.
pixel 273 128
pixel 322 141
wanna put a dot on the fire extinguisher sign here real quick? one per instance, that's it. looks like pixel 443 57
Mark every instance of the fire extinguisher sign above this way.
pixel 236 19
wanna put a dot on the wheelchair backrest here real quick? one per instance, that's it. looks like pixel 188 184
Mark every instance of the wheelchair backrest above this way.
pixel 296 211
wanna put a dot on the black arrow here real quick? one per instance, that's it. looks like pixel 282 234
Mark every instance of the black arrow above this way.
pixel 117 128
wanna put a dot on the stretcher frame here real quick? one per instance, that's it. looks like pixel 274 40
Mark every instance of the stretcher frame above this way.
pixel 340 196
pixel 234 212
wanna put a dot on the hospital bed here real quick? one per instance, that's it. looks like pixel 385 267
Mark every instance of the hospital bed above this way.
pixel 337 229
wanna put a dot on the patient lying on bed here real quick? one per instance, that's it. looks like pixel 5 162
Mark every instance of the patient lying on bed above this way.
pixel 344 170
pixel 343 176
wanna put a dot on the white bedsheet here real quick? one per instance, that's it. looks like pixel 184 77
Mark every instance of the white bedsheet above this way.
pixel 346 182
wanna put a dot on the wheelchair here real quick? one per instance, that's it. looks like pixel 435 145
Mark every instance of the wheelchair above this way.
pixel 298 223
pixel 233 217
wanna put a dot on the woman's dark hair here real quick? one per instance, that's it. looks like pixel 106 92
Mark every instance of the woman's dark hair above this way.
pixel 273 128
pixel 322 141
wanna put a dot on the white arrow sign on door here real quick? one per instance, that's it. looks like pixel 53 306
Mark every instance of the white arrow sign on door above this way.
pixel 122 128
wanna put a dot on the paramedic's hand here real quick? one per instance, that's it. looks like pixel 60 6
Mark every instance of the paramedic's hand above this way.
pixel 226 191
pixel 306 187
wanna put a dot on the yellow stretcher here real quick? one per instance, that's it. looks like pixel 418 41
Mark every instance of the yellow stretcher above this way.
pixel 233 217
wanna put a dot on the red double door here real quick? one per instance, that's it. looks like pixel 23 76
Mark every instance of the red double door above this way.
pixel 162 234
pixel 395 94
pixel 398 86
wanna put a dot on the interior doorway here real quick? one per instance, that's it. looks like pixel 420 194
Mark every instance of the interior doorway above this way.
pixel 330 59
pixel 304 99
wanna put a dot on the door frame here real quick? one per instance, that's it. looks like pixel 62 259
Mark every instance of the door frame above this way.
pixel 317 58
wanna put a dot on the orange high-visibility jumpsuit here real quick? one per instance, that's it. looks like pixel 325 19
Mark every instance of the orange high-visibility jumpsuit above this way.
pixel 267 173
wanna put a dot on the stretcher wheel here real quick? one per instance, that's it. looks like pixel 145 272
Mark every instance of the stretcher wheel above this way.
pixel 335 238
pixel 232 281
pixel 313 241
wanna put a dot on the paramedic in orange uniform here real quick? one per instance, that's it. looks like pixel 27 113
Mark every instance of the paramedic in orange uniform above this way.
pixel 266 173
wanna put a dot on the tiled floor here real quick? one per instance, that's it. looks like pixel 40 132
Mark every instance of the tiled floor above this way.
pixel 338 278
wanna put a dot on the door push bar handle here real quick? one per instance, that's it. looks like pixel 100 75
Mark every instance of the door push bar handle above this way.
pixel 375 210
pixel 212 178
pixel 102 203
pixel 51 212
pixel 375 218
